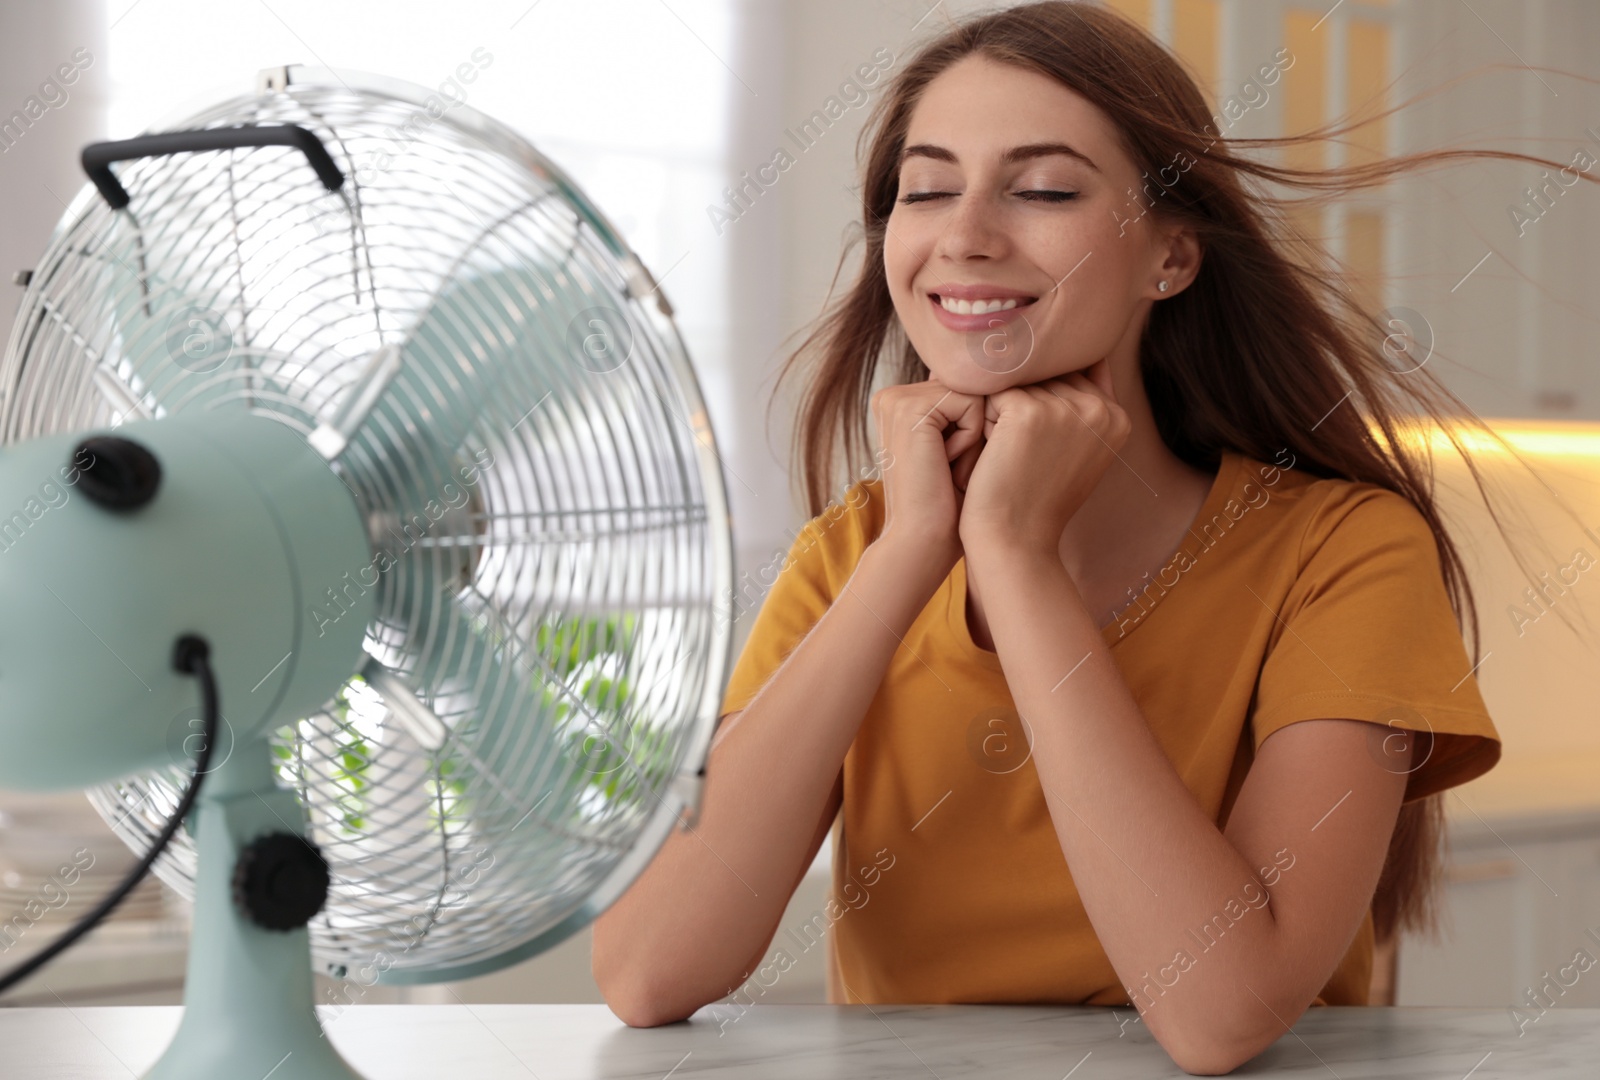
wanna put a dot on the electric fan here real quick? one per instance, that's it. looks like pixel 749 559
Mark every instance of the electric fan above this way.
pixel 346 401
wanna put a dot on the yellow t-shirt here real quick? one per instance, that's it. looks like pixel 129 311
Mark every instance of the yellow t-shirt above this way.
pixel 949 882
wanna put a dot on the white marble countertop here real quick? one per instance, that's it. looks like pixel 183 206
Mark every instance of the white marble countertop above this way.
pixel 947 1042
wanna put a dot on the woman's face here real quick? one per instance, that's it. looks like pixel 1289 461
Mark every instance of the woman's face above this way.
pixel 1015 191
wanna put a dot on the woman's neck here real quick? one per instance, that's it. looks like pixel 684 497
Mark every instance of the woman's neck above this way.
pixel 1133 521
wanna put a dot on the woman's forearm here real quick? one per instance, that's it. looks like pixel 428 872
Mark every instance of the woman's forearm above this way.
pixel 685 932
pixel 1147 861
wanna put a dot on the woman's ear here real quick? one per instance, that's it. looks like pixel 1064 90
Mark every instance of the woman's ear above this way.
pixel 1178 256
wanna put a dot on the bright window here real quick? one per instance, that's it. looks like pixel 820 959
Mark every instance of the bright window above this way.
pixel 589 98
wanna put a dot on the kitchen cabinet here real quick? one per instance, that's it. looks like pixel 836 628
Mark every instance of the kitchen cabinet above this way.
pixel 1522 893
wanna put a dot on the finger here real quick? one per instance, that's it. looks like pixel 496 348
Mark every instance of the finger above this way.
pixel 998 402
pixel 1060 388
pixel 1066 387
pixel 1073 392
pixel 961 468
pixel 962 441
pixel 950 408
pixel 931 410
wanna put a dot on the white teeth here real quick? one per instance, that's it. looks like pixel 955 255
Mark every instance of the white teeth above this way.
pixel 975 307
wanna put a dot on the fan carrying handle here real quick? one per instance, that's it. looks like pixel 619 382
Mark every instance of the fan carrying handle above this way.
pixel 97 157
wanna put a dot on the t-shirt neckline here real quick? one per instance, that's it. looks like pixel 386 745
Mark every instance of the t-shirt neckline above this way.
pixel 956 609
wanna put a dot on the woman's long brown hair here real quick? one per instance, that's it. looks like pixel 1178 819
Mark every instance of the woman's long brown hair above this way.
pixel 1265 346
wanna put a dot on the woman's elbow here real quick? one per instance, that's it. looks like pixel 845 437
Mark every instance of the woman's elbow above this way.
pixel 1208 1060
pixel 1221 1049
pixel 642 989
pixel 635 1000
pixel 640 1006
pixel 641 1012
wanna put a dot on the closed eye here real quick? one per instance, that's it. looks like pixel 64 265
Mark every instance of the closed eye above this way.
pixel 1031 196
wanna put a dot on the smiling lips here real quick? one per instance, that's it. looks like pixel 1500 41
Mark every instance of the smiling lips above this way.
pixel 977 307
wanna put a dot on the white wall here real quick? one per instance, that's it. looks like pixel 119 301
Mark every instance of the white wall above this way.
pixel 39 171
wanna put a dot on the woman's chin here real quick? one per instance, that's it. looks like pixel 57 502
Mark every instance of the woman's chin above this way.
pixel 966 378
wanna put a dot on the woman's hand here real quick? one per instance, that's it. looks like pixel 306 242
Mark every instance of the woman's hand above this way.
pixel 934 436
pixel 1047 446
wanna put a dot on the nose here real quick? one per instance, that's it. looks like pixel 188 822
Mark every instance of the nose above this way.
pixel 975 229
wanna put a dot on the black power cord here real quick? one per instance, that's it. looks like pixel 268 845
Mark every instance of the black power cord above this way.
pixel 192 655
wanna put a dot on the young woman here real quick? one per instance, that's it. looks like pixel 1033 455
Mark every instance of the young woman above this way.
pixel 1135 665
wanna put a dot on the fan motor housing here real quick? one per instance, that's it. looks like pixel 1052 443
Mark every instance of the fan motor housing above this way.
pixel 247 531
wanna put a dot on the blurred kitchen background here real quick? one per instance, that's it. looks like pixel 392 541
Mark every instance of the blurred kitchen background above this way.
pixel 657 106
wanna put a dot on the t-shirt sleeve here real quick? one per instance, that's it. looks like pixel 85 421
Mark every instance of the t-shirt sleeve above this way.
pixel 1367 632
pixel 799 588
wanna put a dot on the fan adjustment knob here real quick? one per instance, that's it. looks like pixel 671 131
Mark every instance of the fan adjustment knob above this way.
pixel 121 474
pixel 280 881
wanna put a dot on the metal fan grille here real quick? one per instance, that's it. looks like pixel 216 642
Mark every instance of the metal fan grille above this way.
pixel 549 530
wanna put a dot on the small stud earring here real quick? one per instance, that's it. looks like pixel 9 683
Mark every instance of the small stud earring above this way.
pixel 1162 286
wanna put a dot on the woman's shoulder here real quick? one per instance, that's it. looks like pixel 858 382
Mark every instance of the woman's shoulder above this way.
pixel 1317 510
pixel 841 532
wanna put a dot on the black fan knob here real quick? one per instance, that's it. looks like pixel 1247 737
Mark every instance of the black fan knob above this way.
pixel 121 474
pixel 280 881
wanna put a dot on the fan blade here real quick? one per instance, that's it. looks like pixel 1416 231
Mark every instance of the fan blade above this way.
pixel 525 727
pixel 156 320
pixel 486 344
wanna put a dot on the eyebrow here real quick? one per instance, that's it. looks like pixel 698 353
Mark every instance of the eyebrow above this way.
pixel 1026 152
